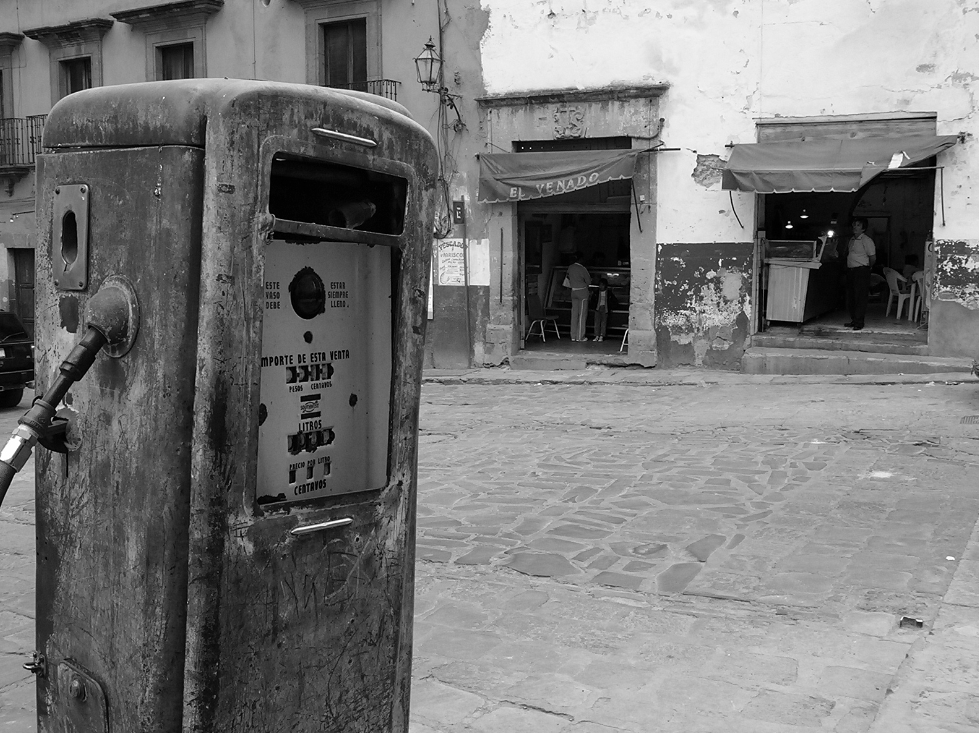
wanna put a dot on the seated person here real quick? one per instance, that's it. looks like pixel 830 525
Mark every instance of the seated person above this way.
pixel 910 266
pixel 878 286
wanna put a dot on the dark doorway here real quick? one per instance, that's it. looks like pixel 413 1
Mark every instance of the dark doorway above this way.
pixel 24 287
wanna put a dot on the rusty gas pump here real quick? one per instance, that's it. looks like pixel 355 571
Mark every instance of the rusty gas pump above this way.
pixel 225 501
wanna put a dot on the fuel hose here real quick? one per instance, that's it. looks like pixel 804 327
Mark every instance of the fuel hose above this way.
pixel 112 320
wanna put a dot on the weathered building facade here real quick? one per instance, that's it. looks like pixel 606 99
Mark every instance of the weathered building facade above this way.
pixel 693 79
pixel 678 84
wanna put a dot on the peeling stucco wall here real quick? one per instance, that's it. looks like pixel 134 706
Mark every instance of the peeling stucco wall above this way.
pixel 957 272
pixel 953 318
pixel 708 170
pixel 731 62
pixel 728 64
pixel 703 304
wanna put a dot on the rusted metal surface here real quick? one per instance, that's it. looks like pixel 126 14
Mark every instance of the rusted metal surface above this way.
pixel 267 630
pixel 112 514
pixel 309 633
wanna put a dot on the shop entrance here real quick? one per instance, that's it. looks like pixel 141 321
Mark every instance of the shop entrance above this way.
pixel 802 255
pixel 594 221
pixel 548 241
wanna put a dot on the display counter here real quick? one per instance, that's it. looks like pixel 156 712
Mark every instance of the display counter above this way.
pixel 558 302
pixel 802 289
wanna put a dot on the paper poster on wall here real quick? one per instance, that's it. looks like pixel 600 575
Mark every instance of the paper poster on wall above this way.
pixel 450 262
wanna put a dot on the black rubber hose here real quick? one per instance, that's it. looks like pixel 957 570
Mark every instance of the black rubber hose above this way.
pixel 7 474
pixel 37 419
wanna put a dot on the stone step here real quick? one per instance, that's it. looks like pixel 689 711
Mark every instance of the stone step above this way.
pixel 546 362
pixel 765 360
pixel 874 344
pixel 869 332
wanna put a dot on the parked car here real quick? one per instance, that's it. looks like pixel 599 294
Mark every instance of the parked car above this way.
pixel 16 360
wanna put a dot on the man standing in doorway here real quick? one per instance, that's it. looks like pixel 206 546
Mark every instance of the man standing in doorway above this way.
pixel 860 257
pixel 579 280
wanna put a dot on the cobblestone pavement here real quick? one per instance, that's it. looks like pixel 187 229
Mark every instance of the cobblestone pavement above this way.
pixel 17 590
pixel 726 556
pixel 722 558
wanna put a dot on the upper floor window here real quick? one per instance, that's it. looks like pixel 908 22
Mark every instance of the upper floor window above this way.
pixel 76 74
pixel 175 34
pixel 75 53
pixel 345 54
pixel 343 43
pixel 175 61
pixel 8 42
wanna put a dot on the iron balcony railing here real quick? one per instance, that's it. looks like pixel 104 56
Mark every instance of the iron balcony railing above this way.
pixel 20 140
pixel 387 88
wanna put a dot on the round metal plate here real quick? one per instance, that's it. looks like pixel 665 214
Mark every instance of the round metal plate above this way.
pixel 123 347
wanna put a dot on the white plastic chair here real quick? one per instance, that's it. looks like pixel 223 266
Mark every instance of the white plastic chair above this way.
pixel 898 285
pixel 918 295
pixel 625 340
pixel 539 319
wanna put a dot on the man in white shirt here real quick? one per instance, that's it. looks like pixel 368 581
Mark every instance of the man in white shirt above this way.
pixel 860 257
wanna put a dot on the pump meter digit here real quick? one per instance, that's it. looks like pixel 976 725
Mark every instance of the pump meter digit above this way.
pixel 326 371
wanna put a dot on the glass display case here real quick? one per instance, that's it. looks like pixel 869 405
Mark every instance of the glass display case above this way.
pixel 558 298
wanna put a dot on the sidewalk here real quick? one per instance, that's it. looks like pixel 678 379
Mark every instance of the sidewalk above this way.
pixel 639 376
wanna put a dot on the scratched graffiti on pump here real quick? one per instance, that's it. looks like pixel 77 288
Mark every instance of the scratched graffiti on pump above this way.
pixel 325 369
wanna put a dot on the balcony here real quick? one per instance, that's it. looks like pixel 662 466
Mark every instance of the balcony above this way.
pixel 387 88
pixel 20 143
pixel 20 140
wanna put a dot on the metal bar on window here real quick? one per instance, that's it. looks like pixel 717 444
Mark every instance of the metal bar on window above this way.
pixel 20 140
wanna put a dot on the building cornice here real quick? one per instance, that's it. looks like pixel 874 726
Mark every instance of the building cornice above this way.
pixel 870 117
pixel 167 16
pixel 9 41
pixel 571 96
pixel 307 4
pixel 70 34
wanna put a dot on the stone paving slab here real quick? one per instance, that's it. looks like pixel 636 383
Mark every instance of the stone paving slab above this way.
pixel 937 691
pixel 736 557
pixel 17 701
pixel 829 518
pixel 638 662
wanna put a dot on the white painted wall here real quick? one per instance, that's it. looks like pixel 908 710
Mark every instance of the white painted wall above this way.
pixel 730 62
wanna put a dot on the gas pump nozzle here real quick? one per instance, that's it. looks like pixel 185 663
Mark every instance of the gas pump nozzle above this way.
pixel 112 320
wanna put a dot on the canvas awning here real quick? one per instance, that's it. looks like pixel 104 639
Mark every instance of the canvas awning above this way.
pixel 511 177
pixel 825 166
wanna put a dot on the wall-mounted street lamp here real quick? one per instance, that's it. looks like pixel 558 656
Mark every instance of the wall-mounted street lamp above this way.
pixel 428 64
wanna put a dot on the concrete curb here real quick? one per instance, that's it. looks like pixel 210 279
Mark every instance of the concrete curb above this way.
pixel 674 377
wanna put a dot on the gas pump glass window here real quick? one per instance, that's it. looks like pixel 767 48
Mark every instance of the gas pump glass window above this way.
pixel 341 196
pixel 327 332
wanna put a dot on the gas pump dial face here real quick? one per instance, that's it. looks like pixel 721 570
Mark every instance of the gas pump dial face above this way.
pixel 325 372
